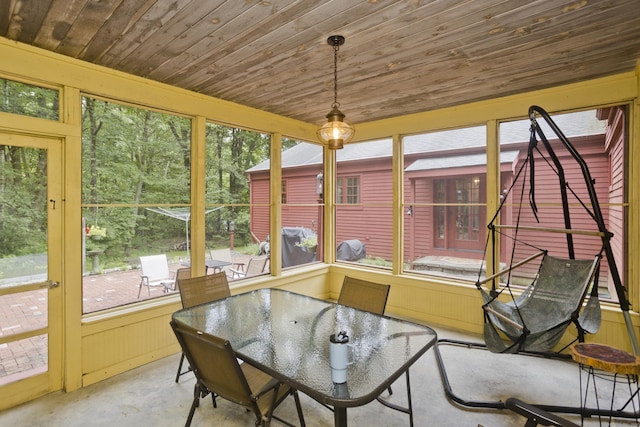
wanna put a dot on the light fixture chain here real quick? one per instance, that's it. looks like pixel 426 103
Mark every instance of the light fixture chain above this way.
pixel 336 48
pixel 337 130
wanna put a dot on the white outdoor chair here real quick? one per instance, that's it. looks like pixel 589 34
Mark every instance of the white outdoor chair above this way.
pixel 225 255
pixel 155 272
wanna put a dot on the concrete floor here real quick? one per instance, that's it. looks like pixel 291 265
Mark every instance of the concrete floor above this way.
pixel 148 396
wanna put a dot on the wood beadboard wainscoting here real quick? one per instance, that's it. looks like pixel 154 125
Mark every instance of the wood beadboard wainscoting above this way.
pixel 121 339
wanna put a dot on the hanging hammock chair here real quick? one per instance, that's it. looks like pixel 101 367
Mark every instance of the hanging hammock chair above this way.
pixel 533 318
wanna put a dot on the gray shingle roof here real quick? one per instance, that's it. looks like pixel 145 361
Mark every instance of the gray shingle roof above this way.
pixel 433 163
pixel 571 124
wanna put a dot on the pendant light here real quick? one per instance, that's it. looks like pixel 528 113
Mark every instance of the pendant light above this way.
pixel 337 130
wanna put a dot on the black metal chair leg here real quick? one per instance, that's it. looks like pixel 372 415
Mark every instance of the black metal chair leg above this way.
pixel 194 405
pixel 299 408
pixel 180 367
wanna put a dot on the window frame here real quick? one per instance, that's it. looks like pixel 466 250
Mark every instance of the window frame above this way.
pixel 342 190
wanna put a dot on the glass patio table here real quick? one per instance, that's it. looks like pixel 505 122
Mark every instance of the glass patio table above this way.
pixel 287 335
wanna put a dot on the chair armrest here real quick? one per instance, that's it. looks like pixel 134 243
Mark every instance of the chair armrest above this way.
pixel 238 272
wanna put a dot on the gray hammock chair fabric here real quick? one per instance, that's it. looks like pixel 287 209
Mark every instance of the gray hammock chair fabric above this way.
pixel 535 320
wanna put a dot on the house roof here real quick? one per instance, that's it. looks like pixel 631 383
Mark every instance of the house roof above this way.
pixel 447 162
pixel 400 57
pixel 304 154
pixel 449 142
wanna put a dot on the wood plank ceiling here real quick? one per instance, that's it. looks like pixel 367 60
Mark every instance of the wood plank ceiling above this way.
pixel 400 57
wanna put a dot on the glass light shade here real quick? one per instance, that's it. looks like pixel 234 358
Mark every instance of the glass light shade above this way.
pixel 336 131
pixel 319 184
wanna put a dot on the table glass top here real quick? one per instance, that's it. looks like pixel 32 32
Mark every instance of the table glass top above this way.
pixel 287 335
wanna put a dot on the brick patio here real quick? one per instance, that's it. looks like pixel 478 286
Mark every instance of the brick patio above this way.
pixel 27 311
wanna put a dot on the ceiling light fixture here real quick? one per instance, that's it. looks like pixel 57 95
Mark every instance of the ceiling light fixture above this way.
pixel 337 130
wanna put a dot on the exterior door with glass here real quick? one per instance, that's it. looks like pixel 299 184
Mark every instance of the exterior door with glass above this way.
pixel 30 267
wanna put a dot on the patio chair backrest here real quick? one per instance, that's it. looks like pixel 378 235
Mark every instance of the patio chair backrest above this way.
pixel 202 289
pixel 256 265
pixel 364 295
pixel 215 365
pixel 218 371
pixel 155 267
pixel 221 254
pixel 181 274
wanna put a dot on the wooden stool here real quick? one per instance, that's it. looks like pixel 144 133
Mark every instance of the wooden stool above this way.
pixel 602 361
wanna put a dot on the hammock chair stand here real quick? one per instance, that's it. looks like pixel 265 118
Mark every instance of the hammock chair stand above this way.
pixel 575 318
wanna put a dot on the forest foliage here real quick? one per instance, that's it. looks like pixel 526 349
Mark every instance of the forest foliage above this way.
pixel 133 158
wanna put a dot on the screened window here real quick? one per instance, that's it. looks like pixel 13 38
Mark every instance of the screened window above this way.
pixel 237 197
pixel 445 202
pixel 363 209
pixel 302 214
pixel 599 138
pixel 135 200
pixel 29 100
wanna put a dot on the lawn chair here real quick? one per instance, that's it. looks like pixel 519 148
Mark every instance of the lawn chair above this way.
pixel 225 255
pixel 181 274
pixel 366 296
pixel 155 272
pixel 199 290
pixel 256 265
pixel 218 371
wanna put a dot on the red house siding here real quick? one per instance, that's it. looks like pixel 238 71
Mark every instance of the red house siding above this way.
pixel 547 198
pixel 371 219
pixel 615 144
pixel 259 210
pixel 301 208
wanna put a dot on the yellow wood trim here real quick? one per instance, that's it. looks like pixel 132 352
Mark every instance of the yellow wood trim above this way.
pixel 198 195
pixel 21 288
pixel 633 199
pixel 32 125
pixel 56 213
pixel 329 209
pixel 397 173
pixel 128 364
pixel 23 391
pixel 23 335
pixel 493 191
pixel 30 62
pixel 134 313
pixel 275 217
pixel 72 242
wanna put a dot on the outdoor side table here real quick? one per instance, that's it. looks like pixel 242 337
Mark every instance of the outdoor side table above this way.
pixel 602 362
